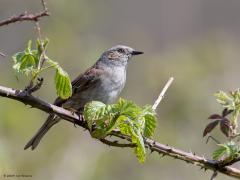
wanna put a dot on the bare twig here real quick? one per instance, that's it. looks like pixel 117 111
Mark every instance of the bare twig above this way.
pixel 153 145
pixel 214 175
pixel 42 58
pixel 30 88
pixel 214 139
pixel 161 95
pixel 3 55
pixel 24 17
pixel 44 4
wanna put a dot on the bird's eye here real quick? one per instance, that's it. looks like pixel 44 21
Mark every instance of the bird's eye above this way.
pixel 121 50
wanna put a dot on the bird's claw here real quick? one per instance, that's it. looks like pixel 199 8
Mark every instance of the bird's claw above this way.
pixel 80 117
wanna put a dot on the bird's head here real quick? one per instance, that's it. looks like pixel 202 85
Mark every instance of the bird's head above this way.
pixel 119 55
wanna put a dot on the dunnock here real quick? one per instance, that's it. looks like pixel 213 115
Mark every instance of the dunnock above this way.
pixel 102 82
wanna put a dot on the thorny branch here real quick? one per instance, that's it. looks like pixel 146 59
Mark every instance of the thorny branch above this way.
pixel 154 146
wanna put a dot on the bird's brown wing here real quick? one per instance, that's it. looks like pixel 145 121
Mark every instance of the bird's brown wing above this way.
pixel 83 82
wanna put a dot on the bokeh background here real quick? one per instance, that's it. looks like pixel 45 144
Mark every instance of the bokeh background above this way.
pixel 195 41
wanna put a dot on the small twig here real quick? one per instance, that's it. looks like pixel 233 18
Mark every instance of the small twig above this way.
pixel 3 55
pixel 214 139
pixel 116 144
pixel 38 31
pixel 44 4
pixel 42 58
pixel 24 17
pixel 161 95
pixel 214 175
pixel 30 88
pixel 36 87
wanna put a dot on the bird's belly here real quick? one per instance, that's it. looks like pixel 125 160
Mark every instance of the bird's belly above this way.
pixel 106 92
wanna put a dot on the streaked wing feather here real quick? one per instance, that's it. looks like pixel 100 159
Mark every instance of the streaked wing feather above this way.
pixel 83 82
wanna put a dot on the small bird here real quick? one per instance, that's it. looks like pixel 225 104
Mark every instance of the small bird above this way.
pixel 102 82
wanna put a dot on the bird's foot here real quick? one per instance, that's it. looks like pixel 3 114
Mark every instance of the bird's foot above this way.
pixel 80 118
pixel 74 111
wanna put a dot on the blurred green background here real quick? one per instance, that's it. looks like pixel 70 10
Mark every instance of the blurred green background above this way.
pixel 195 41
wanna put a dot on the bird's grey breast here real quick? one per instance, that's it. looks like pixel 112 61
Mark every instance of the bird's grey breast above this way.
pixel 106 88
pixel 112 83
pixel 108 85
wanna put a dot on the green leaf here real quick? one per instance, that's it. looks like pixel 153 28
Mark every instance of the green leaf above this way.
pixel 63 83
pixel 126 116
pixel 102 116
pixel 127 127
pixel 94 111
pixel 128 108
pixel 27 61
pixel 150 121
pixel 45 43
pixel 225 100
pixel 17 59
pixel 140 149
pixel 218 153
pixel 230 150
pixel 233 151
pixel 28 48
pixel 24 63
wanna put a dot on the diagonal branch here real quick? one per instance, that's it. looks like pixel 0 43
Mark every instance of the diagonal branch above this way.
pixel 3 55
pixel 35 102
pixel 161 95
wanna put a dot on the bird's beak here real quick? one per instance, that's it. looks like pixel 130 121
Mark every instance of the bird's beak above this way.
pixel 136 52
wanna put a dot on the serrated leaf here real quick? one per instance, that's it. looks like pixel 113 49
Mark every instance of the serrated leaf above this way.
pixel 128 108
pixel 102 116
pixel 26 61
pixel 218 153
pixel 127 127
pixel 92 112
pixel 230 150
pixel 233 150
pixel 225 126
pixel 125 116
pixel 63 83
pixel 223 98
pixel 140 149
pixel 17 59
pixel 150 125
pixel 210 127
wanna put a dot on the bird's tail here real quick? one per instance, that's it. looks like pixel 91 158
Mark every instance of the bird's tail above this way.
pixel 33 143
